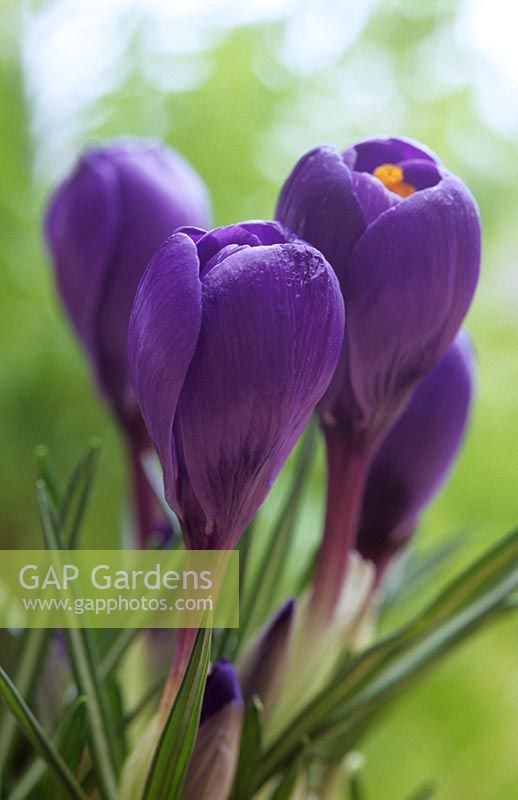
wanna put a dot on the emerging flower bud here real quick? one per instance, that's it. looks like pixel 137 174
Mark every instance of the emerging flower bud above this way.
pixel 233 339
pixel 210 773
pixel 103 224
pixel 415 458
pixel 403 236
pixel 261 670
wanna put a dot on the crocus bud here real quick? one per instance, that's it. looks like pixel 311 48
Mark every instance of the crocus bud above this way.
pixel 417 455
pixel 261 670
pixel 103 225
pixel 210 773
pixel 233 339
pixel 403 236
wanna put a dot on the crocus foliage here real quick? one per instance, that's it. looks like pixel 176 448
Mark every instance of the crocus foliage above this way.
pixel 233 339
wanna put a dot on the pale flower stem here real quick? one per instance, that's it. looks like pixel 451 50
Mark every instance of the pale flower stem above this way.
pixel 182 652
pixel 144 501
pixel 347 471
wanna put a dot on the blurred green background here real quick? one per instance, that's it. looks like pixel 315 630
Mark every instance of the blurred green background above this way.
pixel 242 90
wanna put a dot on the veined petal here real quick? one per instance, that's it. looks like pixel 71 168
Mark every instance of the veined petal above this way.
pixel 82 226
pixel 103 226
pixel 416 456
pixel 318 202
pixel 272 328
pixel 367 155
pixel 408 286
pixel 157 192
pixel 163 331
pixel 372 196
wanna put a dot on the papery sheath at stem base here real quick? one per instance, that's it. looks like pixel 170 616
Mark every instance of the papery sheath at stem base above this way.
pixel 347 469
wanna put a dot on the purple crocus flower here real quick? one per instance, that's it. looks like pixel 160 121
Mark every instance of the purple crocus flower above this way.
pixel 210 773
pixel 403 236
pixel 233 339
pixel 103 225
pixel 417 455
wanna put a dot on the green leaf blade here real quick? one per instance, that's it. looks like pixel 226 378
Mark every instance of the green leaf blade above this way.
pixel 38 738
pixel 171 758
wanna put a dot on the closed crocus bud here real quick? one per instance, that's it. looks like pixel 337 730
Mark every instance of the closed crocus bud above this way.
pixel 261 669
pixel 233 339
pixel 403 236
pixel 417 455
pixel 103 225
pixel 213 762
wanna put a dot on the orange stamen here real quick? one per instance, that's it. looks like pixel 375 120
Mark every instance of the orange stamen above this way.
pixel 392 177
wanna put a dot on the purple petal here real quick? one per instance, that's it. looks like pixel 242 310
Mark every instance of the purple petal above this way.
pixel 271 334
pixel 420 174
pixel 417 455
pixel 372 196
pixel 318 202
pixel 371 153
pixel 269 232
pixel 158 193
pixel 163 331
pixel 253 234
pixel 103 227
pixel 222 689
pixel 408 286
pixel 82 226
pixel 211 769
pixel 216 240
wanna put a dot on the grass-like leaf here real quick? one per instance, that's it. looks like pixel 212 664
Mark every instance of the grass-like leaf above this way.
pixel 76 495
pixel 249 751
pixel 69 739
pixel 32 653
pixel 37 737
pixel 103 741
pixel 359 691
pixel 261 594
pixel 288 782
pixel 46 470
pixel 69 502
pixel 171 758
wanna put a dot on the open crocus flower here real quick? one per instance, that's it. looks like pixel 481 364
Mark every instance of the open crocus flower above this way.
pixel 213 762
pixel 416 457
pixel 103 225
pixel 403 236
pixel 233 339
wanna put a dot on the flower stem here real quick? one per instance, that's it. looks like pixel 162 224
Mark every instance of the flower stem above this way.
pixel 144 501
pixel 347 470
pixel 183 645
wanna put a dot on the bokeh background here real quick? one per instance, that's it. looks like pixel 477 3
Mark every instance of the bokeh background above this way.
pixel 242 89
